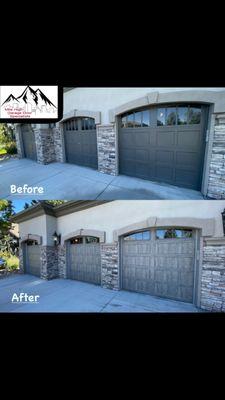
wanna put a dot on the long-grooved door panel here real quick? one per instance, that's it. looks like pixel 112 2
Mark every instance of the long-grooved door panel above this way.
pixel 162 268
pixel 85 263
pixel 29 145
pixel 81 147
pixel 171 154
pixel 33 260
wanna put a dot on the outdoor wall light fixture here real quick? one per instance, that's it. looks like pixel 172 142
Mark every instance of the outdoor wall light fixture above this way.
pixel 223 218
pixel 56 238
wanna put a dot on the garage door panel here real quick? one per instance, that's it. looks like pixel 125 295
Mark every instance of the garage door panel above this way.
pixel 85 262
pixel 28 139
pixel 164 157
pixel 80 145
pixel 161 267
pixel 141 155
pixel 168 151
pixel 142 139
pixel 188 139
pixel 164 139
pixel 187 159
pixel 33 260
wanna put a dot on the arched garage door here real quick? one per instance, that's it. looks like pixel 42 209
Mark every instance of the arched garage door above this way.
pixel 84 259
pixel 32 258
pixel 81 142
pixel 159 262
pixel 164 144
pixel 28 140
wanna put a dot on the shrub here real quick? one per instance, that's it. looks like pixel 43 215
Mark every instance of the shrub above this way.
pixel 12 263
pixel 11 148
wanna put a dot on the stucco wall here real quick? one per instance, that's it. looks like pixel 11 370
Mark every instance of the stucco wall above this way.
pixel 51 228
pixel 35 226
pixel 118 214
pixel 104 99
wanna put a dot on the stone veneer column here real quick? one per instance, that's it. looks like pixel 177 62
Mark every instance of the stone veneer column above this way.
pixel 58 143
pixel 216 185
pixel 49 262
pixel 110 266
pixel 62 262
pixel 18 140
pixel 21 263
pixel 107 149
pixel 213 276
pixel 45 146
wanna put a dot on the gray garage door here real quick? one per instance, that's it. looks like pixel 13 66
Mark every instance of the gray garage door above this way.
pixel 33 259
pixel 81 142
pixel 159 263
pixel 164 144
pixel 28 139
pixel 84 262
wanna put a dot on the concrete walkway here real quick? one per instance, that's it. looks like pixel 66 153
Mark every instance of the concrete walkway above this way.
pixel 64 295
pixel 64 181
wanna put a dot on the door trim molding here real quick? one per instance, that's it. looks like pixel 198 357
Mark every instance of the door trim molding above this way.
pixel 206 225
pixel 85 232
pixel 81 113
pixel 217 98
pixel 30 236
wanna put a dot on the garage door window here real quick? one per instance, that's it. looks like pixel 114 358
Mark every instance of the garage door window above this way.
pixel 139 119
pixel 182 115
pixel 31 242
pixel 194 116
pixel 84 240
pixel 88 123
pixel 145 235
pixel 173 233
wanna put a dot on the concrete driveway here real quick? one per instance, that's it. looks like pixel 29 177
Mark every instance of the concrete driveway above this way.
pixel 64 295
pixel 70 182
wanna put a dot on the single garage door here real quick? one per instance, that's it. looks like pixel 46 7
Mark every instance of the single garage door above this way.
pixel 33 259
pixel 164 144
pixel 159 262
pixel 84 262
pixel 81 142
pixel 28 139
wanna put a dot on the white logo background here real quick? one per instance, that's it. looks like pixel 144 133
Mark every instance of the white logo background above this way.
pixel 29 102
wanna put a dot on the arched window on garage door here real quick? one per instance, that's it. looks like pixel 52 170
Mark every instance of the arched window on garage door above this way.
pixel 164 143
pixel 81 142
pixel 84 259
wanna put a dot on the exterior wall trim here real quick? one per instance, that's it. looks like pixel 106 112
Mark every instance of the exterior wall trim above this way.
pixel 201 96
pixel 207 225
pixel 215 241
pixel 30 236
pixel 84 232
pixel 82 113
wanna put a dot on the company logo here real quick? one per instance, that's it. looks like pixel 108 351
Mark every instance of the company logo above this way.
pixel 25 298
pixel 26 102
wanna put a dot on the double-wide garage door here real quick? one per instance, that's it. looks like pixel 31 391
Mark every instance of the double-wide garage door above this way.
pixel 81 142
pixel 84 262
pixel 159 263
pixel 164 144
pixel 28 140
pixel 32 259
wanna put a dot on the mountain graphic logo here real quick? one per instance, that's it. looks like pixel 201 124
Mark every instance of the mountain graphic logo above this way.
pixel 31 96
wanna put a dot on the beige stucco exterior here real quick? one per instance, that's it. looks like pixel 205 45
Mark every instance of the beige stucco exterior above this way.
pixel 111 217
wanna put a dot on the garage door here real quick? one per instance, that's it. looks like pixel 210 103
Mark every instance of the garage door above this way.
pixel 81 142
pixel 85 259
pixel 28 139
pixel 33 259
pixel 159 262
pixel 164 144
